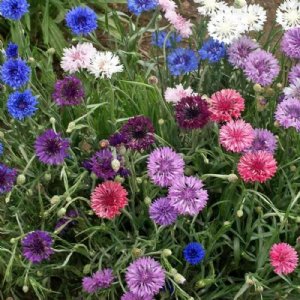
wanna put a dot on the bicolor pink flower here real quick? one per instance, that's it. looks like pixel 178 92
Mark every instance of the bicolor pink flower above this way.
pixel 167 5
pixel 182 25
pixel 174 95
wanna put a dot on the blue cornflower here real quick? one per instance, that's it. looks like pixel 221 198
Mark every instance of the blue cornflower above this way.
pixel 21 104
pixel 161 37
pixel 1 149
pixel 13 9
pixel 11 50
pixel 15 73
pixel 213 51
pixel 182 61
pixel 81 20
pixel 139 6
pixel 194 253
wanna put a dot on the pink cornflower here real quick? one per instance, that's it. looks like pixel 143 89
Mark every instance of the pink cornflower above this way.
pixel 167 5
pixel 226 105
pixel 283 258
pixel 174 95
pixel 236 136
pixel 257 166
pixel 182 25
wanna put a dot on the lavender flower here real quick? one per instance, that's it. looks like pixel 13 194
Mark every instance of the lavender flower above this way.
pixel 101 164
pixel 132 296
pixel 294 73
pixel 100 280
pixel 7 178
pixel 290 43
pixel 37 246
pixel 261 67
pixel 293 91
pixel 116 139
pixel 264 140
pixel 164 166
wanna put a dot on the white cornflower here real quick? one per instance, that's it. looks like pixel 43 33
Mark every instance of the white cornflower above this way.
pixel 209 7
pixel 293 91
pixel 288 14
pixel 255 17
pixel 105 64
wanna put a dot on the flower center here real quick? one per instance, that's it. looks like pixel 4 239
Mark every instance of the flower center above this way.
pixel 191 112
pixel 37 246
pixel 138 134
pixel 53 147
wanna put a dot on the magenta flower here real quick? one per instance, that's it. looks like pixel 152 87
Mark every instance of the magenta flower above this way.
pixel 100 280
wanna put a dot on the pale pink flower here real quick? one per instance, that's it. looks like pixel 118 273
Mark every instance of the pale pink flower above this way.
pixel 167 5
pixel 182 25
pixel 174 95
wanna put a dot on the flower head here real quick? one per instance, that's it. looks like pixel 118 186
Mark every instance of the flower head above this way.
pixel 182 61
pixel 257 166
pixel 163 38
pixel 37 246
pixel 254 16
pixel 162 213
pixel 284 258
pixel 213 51
pixel 51 148
pixel 290 43
pixel 139 6
pixel 236 136
pixel 174 95
pixel 15 73
pixel 11 50
pixel 181 25
pixel 145 277
pixel 288 14
pixel 167 5
pixel 194 253
pixel 81 20
pixel 210 7
pixel 66 222
pixel 294 73
pixel 116 139
pixel 100 280
pixel 132 296
pixel 13 9
pixel 108 199
pixel 187 195
pixel 21 105
pixel 293 90
pixel 226 105
pixel 264 140
pixel 7 178
pixel 261 67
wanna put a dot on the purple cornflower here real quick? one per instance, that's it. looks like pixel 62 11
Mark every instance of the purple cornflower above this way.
pixel 187 195
pixel 37 246
pixel 261 67
pixel 288 113
pixel 100 280
pixel 132 296
pixel 162 213
pixel 290 43
pixel 293 90
pixel 164 166
pixel 116 139
pixel 11 50
pixel 51 148
pixel 192 112
pixel 264 140
pixel 101 164
pixel 294 73
pixel 138 133
pixel 66 222
pixel 145 277
pixel 68 91
pixel 7 178
pixel 239 50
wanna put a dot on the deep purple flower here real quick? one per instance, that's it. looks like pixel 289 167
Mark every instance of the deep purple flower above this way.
pixel 261 67
pixel 288 113
pixel 7 178
pixel 162 213
pixel 239 50
pixel 264 140
pixel 68 91
pixel 101 164
pixel 87 164
pixel 192 112
pixel 66 222
pixel 37 246
pixel 164 166
pixel 187 195
pixel 290 43
pixel 145 277
pixel 100 280
pixel 294 73
pixel 51 148
pixel 138 133
pixel 116 139
pixel 132 296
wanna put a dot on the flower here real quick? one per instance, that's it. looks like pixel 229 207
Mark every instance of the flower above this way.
pixel 101 164
pixel 116 139
pixel 290 43
pixel 100 280
pixel 7 178
pixel 81 20
pixel 261 67
pixel 164 38
pixel 288 113
pixel 226 105
pixel 293 90
pixel 51 148
pixel 13 9
pixel 257 166
pixel 264 140
pixel 21 104
pixel 284 258
pixel 210 7
pixel 1 149
pixel 162 213
pixel 182 61
pixel 105 64
pixel 194 253
pixel 167 5
pixel 174 95
pixel 145 277
pixel 11 50
pixel 288 14
pixel 139 6
pixel 15 73
pixel 108 199
pixel 294 74
pixel 138 133
pixel 89 285
pixel 213 51
pixel 37 246
pixel 192 112
pixel 66 222
pixel 181 25
pixel 132 296
pixel 164 166
pixel 77 57
pixel 239 50
pixel 68 91
pixel 187 195
pixel 254 16
pixel 236 136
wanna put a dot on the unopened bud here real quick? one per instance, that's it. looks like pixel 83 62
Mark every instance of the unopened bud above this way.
pixel 293 168
pixel 178 278
pixel 232 178
pixel 25 289
pixel 279 85
pixel 47 176
pixel 103 143
pixel 139 180
pixel 69 199
pixel 147 201
pixel 259 289
pixel 52 120
pixel 39 273
pixel 29 192
pixel 240 3
pixel 71 127
pixel 55 199
pixel 153 80
pixel 173 271
pixel 119 179
pixel 270 92
pixel 258 209
pixel 21 179
pixel 86 269
pixel 161 122
pixel 257 88
pixel 1 135
pixel 61 212
pixel 51 51
pixel 137 252
pixel 115 164
pixel 12 240
pixel 31 60
pixel 226 223
pixel 167 252
pixel 239 213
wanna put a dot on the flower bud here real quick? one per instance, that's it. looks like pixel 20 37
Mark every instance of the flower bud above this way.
pixel 232 178
pixel 270 92
pixel 259 289
pixel 258 209
pixel 139 180
pixel 29 192
pixel 239 3
pixel 166 252
pixel 47 177
pixel 173 272
pixel 293 168
pixel 115 164
pixel 55 199
pixel 161 122
pixel 257 88
pixel 25 289
pixel 178 278
pixel 153 80
pixel 7 199
pixel 39 273
pixel 226 223
pixel 12 240
pixel 1 135
pixel 119 179
pixel 52 120
pixel 69 199
pixel 136 252
pixel 122 150
pixel 61 212
pixel 279 85
pixel 21 179
pixel 103 143
pixel 239 213
pixel 147 201
pixel 86 269
pixel 71 127
pixel 249 280
pixel 51 51
pixel 276 124
pixel 31 60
